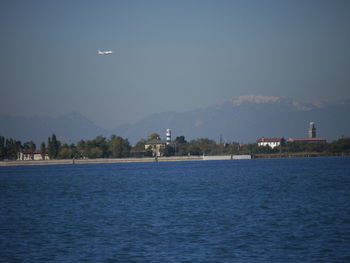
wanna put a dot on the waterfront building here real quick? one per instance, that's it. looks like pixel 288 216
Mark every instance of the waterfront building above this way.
pixel 157 145
pixel 272 142
pixel 28 156
pixel 311 136
pixel 308 140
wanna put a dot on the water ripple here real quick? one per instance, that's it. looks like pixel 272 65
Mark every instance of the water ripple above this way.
pixel 283 210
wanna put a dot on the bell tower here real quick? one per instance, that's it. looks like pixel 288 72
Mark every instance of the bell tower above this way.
pixel 312 130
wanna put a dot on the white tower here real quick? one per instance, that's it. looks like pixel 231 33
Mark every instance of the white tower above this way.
pixel 168 136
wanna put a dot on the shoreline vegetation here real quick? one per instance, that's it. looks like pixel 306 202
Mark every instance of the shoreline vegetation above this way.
pixel 166 159
pixel 124 160
pixel 118 149
pixel 299 155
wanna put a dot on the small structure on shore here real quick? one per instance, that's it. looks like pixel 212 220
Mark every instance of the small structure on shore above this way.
pixel 37 155
pixel 156 146
pixel 272 142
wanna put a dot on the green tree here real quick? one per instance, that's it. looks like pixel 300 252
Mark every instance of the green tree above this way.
pixel 81 145
pixel 81 149
pixel 101 143
pixel 95 152
pixel 168 150
pixel 53 146
pixel 180 140
pixel 294 147
pixel 74 151
pixel 139 149
pixel 2 148
pixel 194 149
pixel 43 150
pixel 205 146
pixel 180 145
pixel 231 148
pixel 68 152
pixel 154 136
pixel 342 145
pixel 49 147
pixel 64 152
pixel 96 148
pixel 139 146
pixel 12 149
pixel 119 147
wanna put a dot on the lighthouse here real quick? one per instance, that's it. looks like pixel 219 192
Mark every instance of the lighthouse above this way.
pixel 168 136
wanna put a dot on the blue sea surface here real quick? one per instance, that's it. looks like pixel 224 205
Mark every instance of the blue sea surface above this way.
pixel 260 210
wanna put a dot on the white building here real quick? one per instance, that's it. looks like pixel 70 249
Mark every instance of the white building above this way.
pixel 156 146
pixel 272 142
pixel 36 156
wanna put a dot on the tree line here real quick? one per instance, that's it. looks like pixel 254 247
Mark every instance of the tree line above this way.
pixel 210 147
pixel 119 147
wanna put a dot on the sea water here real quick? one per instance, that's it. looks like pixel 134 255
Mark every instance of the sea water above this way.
pixel 267 210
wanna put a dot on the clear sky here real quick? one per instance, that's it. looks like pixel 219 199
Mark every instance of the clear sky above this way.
pixel 168 55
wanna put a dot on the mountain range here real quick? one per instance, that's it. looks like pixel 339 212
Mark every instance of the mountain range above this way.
pixel 241 119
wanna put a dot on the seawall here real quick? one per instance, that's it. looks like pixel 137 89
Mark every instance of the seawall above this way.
pixel 126 160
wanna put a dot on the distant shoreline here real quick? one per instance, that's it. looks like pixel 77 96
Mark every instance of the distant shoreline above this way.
pixel 124 160
pixel 167 159
pixel 100 160
pixel 296 155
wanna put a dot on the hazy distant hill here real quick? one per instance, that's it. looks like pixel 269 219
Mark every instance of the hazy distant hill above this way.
pixel 242 119
pixel 246 118
pixel 68 128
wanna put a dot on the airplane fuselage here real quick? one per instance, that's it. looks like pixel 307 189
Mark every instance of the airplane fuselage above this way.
pixel 104 52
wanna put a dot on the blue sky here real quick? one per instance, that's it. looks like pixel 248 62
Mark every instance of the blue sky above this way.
pixel 168 55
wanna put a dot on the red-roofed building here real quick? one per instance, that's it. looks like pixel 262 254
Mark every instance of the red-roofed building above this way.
pixel 312 136
pixel 307 140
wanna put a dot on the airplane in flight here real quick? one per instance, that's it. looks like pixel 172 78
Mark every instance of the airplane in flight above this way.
pixel 104 52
